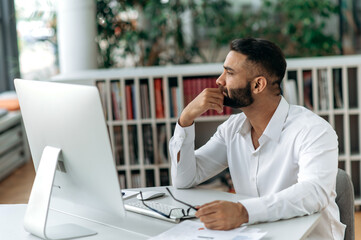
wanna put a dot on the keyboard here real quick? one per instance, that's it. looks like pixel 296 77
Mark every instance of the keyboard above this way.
pixel 138 207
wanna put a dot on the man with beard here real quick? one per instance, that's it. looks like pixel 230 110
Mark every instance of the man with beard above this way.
pixel 284 157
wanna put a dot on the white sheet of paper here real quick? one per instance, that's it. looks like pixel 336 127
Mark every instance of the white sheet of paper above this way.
pixel 193 230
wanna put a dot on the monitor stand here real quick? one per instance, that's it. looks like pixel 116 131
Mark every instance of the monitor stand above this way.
pixel 36 215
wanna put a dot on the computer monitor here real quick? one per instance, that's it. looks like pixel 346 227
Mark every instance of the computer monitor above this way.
pixel 65 127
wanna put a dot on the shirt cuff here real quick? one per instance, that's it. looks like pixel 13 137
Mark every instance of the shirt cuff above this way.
pixel 185 134
pixel 257 210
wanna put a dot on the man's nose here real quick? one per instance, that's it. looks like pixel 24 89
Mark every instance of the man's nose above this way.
pixel 221 80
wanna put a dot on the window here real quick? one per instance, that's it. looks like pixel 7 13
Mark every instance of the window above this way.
pixel 9 62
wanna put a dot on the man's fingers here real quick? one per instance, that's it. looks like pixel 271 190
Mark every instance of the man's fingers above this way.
pixel 213 93
pixel 222 215
pixel 216 106
pixel 210 218
pixel 213 221
pixel 206 209
pixel 209 98
pixel 214 226
pixel 215 90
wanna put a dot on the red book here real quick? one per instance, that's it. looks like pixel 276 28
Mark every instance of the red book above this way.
pixel 227 110
pixel 129 103
pixel 204 85
pixel 186 92
pixel 197 89
pixel 158 90
pixel 194 89
pixel 114 106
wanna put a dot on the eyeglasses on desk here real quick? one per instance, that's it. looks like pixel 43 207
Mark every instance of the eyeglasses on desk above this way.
pixel 173 212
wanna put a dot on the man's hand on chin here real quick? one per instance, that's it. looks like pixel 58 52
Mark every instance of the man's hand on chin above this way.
pixel 222 215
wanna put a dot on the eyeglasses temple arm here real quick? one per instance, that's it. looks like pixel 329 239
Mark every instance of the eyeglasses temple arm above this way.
pixel 187 204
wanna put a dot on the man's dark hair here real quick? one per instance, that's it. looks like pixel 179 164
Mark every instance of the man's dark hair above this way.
pixel 264 58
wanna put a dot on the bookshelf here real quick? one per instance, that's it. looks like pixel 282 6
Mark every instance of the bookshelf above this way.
pixel 13 145
pixel 141 106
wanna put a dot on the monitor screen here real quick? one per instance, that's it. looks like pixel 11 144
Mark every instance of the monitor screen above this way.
pixel 70 117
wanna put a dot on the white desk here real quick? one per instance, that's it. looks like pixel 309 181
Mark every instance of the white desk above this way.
pixel 136 226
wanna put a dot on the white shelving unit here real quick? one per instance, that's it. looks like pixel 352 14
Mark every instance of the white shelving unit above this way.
pixel 147 128
pixel 13 145
pixel 330 86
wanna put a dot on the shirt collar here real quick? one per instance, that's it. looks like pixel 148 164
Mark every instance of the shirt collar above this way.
pixel 245 127
pixel 275 125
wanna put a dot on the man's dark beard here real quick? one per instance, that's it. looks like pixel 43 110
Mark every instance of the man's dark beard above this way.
pixel 241 97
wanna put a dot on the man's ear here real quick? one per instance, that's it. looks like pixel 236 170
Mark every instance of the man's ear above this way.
pixel 259 84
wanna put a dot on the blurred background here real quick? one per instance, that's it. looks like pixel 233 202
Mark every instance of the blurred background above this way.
pixel 34 39
pixel 146 33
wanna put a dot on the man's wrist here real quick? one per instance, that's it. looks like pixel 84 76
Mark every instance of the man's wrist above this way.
pixel 244 213
pixel 184 122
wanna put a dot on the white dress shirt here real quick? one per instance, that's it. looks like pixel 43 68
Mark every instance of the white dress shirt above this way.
pixel 291 173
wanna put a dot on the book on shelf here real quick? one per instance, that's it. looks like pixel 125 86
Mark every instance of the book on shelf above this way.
pixel 198 86
pixel 129 102
pixel 337 88
pixel 101 85
pixel 144 100
pixel 187 95
pixel 119 146
pixel 162 153
pixel 172 83
pixel 164 177
pixel 210 83
pixel 174 101
pixel 122 180
pixel 227 111
pixel 148 144
pixel 307 89
pixel 133 145
pixel 149 178
pixel 179 104
pixel 323 89
pixel 136 179
pixel 116 94
pixel 134 104
pixel 158 92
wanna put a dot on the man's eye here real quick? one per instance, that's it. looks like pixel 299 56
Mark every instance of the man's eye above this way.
pixel 229 73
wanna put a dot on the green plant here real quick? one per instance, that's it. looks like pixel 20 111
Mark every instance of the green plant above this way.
pixel 157 32
pixel 297 26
